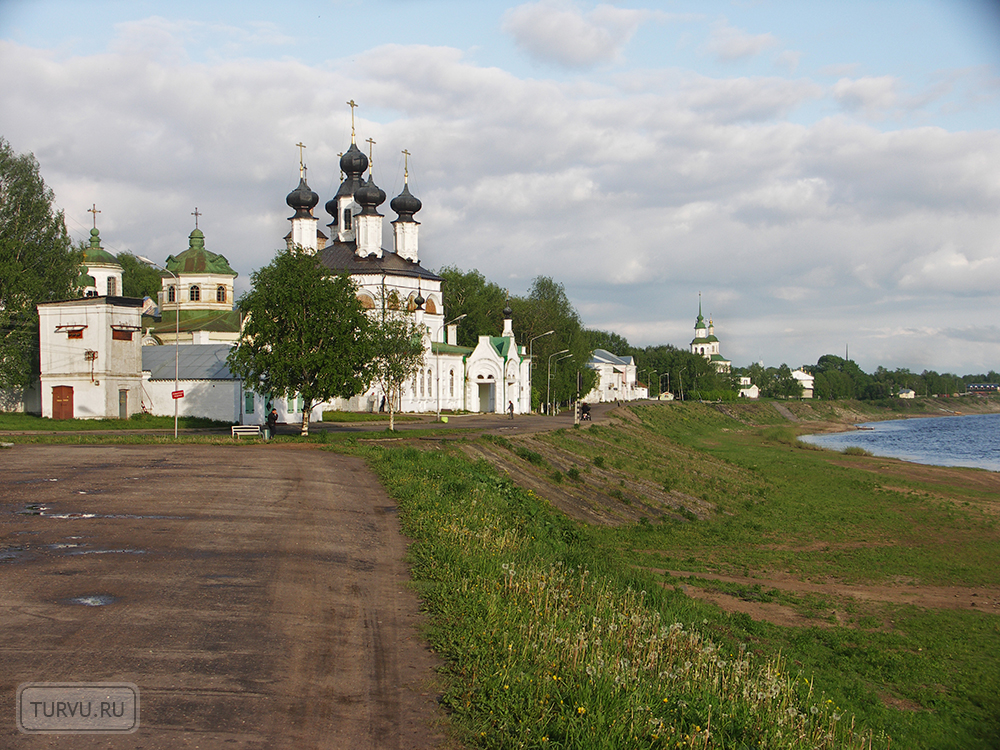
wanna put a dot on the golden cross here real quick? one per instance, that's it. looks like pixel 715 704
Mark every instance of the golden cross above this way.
pixel 339 157
pixel 302 167
pixel 352 105
pixel 371 155
pixel 94 211
pixel 406 166
pixel 195 214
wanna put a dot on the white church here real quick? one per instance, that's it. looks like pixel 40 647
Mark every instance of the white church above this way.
pixel 706 343
pixel 491 377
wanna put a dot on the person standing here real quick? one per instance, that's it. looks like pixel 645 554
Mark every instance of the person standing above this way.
pixel 510 409
pixel 272 422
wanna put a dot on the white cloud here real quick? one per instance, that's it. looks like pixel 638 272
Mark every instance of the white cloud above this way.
pixel 727 43
pixel 559 31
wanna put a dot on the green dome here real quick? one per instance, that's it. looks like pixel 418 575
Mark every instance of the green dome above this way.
pixel 196 259
pixel 97 255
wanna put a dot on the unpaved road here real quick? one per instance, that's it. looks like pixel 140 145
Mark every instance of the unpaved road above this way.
pixel 257 596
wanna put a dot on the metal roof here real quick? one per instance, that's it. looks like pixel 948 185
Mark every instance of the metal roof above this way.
pixel 195 362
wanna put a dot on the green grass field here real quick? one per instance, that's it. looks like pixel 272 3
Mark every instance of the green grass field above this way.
pixel 558 634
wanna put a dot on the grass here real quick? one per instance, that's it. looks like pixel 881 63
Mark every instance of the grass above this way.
pixel 357 416
pixel 521 600
pixel 549 643
pixel 16 422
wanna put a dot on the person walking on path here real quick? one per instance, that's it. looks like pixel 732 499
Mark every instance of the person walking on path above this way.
pixel 510 409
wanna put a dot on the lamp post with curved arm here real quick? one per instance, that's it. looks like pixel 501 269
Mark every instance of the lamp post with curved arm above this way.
pixel 177 330
pixel 531 355
pixel 548 384
pixel 437 363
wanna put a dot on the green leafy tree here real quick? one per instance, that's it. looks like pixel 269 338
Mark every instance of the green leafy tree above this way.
pixel 481 301
pixel 397 349
pixel 37 263
pixel 138 279
pixel 547 308
pixel 609 342
pixel 304 333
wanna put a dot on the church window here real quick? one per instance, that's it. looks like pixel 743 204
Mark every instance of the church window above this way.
pixel 171 294
pixel 117 335
pixel 220 293
pixel 112 286
pixel 367 303
pixel 74 333
pixel 194 294
pixel 430 383
pixel 347 219
pixel 451 384
pixel 248 402
pixel 421 377
pixel 430 307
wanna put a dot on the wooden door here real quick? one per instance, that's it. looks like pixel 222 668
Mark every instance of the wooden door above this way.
pixel 62 402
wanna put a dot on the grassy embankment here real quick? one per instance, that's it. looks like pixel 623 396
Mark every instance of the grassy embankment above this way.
pixel 563 635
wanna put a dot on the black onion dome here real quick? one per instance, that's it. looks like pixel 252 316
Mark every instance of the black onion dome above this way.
pixel 507 312
pixel 353 163
pixel 302 199
pixel 405 204
pixel 369 196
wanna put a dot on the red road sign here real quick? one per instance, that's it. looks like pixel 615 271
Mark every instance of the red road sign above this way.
pixel 178 394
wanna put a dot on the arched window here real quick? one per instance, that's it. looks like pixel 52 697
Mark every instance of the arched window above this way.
pixel 430 307
pixel 112 286
pixel 367 303
pixel 347 219
pixel 194 294
pixel 220 293
pixel 430 383
pixel 421 387
pixel 171 294
pixel 451 384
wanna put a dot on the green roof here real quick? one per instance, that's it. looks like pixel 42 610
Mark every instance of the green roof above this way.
pixel 227 321
pixel 438 347
pixel 95 253
pixel 196 259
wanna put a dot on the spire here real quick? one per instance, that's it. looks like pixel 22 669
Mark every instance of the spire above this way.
pixel 700 323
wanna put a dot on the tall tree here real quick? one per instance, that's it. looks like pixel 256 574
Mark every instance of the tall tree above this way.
pixel 397 349
pixel 138 279
pixel 304 333
pixel 37 263
pixel 481 301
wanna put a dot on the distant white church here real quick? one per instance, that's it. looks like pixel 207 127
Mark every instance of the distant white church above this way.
pixel 706 343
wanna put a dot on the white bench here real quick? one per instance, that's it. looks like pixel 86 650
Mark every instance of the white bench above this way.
pixel 246 430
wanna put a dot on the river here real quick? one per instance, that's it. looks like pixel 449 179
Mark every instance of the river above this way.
pixel 969 440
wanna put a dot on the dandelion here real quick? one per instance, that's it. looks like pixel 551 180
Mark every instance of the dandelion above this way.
pixel 581 710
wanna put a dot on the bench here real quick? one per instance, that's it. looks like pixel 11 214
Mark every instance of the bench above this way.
pixel 246 430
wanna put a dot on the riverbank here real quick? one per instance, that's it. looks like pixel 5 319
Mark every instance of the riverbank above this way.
pixel 842 416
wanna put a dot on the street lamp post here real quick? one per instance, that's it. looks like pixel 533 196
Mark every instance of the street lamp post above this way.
pixel 177 330
pixel 660 384
pixel 649 388
pixel 437 364
pixel 558 360
pixel 531 356
pixel 548 383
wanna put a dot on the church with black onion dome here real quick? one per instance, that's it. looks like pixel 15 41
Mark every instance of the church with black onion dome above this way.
pixel 487 378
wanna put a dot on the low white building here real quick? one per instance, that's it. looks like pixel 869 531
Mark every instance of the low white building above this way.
pixel 748 389
pixel 616 379
pixel 907 393
pixel 806 380
pixel 90 358
pixel 210 389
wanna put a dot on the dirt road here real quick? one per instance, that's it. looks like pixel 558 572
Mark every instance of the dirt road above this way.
pixel 255 595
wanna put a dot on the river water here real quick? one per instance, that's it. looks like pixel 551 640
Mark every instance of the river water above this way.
pixel 970 440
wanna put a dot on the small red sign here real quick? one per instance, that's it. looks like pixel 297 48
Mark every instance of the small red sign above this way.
pixel 178 394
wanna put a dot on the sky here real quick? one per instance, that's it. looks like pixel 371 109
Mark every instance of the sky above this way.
pixel 826 175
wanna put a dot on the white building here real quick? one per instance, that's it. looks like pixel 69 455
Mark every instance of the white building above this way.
pixel 907 393
pixel 616 379
pixel 748 389
pixel 486 378
pixel 210 389
pixel 90 358
pixel 101 274
pixel 706 344
pixel 197 288
pixel 806 380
